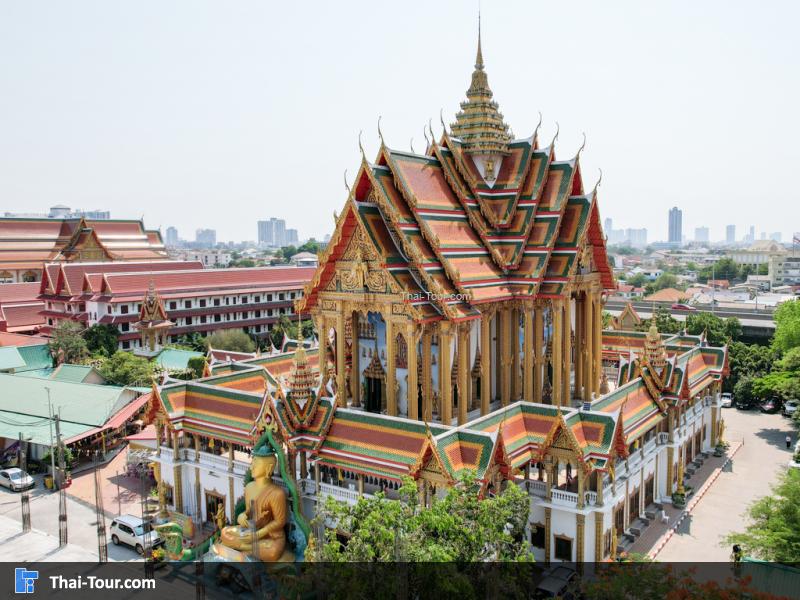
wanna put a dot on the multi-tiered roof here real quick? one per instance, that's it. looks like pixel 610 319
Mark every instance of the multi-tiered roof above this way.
pixel 439 227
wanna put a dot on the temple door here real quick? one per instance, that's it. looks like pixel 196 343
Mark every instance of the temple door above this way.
pixel 372 402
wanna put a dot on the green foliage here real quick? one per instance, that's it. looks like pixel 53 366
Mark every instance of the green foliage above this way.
pixel 783 384
pixel 719 331
pixel 243 263
pixel 459 527
pixel 197 365
pixel 637 280
pixel 790 361
pixel 234 340
pixel 743 389
pixel 773 533
pixel 68 457
pixel 748 361
pixel 193 341
pixel 124 368
pixel 787 322
pixel 665 280
pixel 67 344
pixel 102 339
pixel 289 326
pixel 665 322
pixel 724 268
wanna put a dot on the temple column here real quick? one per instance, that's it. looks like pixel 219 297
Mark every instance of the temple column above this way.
pixel 581 495
pixel 714 426
pixel 412 392
pixel 505 360
pixel 547 533
pixel 538 355
pixel 670 467
pixel 527 366
pixel 586 351
pixel 196 439
pixel 516 383
pixel 567 361
pixel 486 362
pixel 341 393
pixel 316 478
pixel 355 368
pixel 597 338
pixel 230 457
pixel 598 537
pixel 578 347
pixel 557 351
pixel 177 490
pixel 159 436
pixel 463 373
pixel 599 487
pixel 391 374
pixel 427 391
pixel 580 526
pixel 445 373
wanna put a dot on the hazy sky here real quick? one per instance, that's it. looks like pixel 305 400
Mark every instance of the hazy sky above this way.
pixel 216 114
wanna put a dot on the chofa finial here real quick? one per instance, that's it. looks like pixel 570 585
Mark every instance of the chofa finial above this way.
pixel 380 133
pixel 360 146
pixel 346 185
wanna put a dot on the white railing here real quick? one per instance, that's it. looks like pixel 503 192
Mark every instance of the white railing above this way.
pixel 663 438
pixel 590 497
pixel 564 497
pixel 634 462
pixel 340 493
pixel 218 463
pixel 166 454
pixel 649 446
pixel 535 487
pixel 608 494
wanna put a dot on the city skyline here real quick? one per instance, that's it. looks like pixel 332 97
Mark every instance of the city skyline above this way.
pixel 207 129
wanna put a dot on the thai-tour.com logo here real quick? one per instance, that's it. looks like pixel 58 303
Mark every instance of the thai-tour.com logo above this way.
pixel 24 580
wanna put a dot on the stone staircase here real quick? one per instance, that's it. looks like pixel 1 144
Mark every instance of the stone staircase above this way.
pixel 627 539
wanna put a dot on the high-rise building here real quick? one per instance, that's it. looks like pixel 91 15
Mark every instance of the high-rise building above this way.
pixel 206 237
pixel 636 238
pixel 172 236
pixel 730 234
pixel 675 226
pixel 292 237
pixel 776 236
pixel 272 232
pixel 608 224
pixel 701 234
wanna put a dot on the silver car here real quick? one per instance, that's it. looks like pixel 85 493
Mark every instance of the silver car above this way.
pixel 134 532
pixel 16 479
pixel 726 400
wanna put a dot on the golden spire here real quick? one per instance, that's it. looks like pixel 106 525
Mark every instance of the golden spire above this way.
pixel 479 124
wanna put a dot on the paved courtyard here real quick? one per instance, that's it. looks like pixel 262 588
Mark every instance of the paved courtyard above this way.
pixel 747 477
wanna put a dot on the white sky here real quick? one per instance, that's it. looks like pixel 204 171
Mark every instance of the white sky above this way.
pixel 216 114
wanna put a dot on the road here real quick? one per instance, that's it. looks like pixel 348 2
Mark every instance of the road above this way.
pixel 762 314
pixel 748 476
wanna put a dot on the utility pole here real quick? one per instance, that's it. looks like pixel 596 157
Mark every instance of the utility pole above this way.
pixel 26 500
pixel 102 543
pixel 52 445
pixel 62 493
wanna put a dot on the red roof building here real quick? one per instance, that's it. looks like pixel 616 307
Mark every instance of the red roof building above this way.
pixel 20 308
pixel 196 300
pixel 26 245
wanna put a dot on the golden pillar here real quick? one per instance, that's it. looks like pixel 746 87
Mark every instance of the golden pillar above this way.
pixel 567 362
pixel 598 537
pixel 581 486
pixel 341 393
pixel 159 436
pixel 527 363
pixel 177 490
pixel 355 367
pixel 486 362
pixel 427 387
pixel 505 360
pixel 513 338
pixel 557 351
pixel 597 338
pixel 538 354
pixel 547 533
pixel 670 468
pixel 445 373
pixel 412 391
pixel 587 347
pixel 580 525
pixel 714 426
pixel 198 497
pixel 303 465
pixel 231 500
pixel 599 487
pixel 391 373
pixel 578 347
pixel 463 373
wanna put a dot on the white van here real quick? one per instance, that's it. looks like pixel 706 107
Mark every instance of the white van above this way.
pixel 131 530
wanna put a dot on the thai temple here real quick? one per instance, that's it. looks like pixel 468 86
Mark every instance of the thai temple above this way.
pixel 459 316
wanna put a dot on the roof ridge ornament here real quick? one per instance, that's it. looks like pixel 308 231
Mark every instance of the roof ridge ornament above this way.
pixel 380 133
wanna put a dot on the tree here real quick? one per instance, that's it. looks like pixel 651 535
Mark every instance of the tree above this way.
pixel 124 368
pixel 461 527
pixel 67 344
pixel 234 340
pixel 665 322
pixel 665 280
pixel 288 326
pixel 102 339
pixel 193 341
pixel 773 533
pixel 785 385
pixel 637 280
pixel 718 331
pixel 790 361
pixel 743 390
pixel 748 361
pixel 787 326
pixel 197 365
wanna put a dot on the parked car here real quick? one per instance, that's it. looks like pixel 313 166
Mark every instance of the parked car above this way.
pixel 555 583
pixel 790 407
pixel 726 399
pixel 134 532
pixel 16 479
pixel 746 404
pixel 684 307
pixel 771 406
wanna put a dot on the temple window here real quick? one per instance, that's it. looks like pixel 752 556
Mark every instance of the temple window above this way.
pixel 123 309
pixel 29 276
pixel 257 299
pixel 269 297
pixel 125 327
pixel 217 318
pixel 281 296
pixel 6 277
pixel 187 304
pixel 244 299
pixel 188 320
pixel 203 303
pixel 126 345
pixel 563 548
pixel 173 305
pixel 269 312
pixel 258 314
pixel 216 301
pixel 537 535
pixel 108 309
pixel 202 318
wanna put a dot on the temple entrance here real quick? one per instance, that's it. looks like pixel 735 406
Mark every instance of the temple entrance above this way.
pixel 633 507
pixel 619 517
pixel 213 502
pixel 373 394
pixel 649 491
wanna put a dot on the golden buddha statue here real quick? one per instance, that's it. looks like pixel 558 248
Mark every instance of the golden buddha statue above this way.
pixel 266 512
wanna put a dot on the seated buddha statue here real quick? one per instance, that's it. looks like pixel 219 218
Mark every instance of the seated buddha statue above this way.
pixel 266 512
